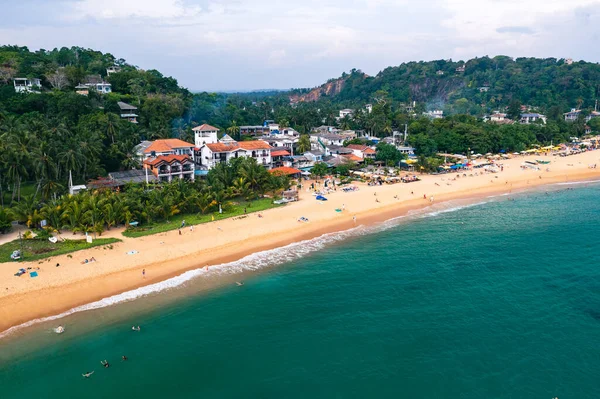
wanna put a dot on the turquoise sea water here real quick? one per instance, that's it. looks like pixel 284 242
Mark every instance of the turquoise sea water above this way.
pixel 498 300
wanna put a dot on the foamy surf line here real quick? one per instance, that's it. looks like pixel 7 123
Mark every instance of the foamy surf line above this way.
pixel 252 262
pixel 573 183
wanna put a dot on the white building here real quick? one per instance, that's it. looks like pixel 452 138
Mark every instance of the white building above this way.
pixel 102 87
pixel 319 141
pixel 113 69
pixel 369 108
pixel 435 114
pixel 572 115
pixel 205 134
pixel 532 117
pixel 345 112
pixel 211 151
pixel 498 117
pixel 26 85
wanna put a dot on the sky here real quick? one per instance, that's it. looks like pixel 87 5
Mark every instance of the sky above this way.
pixel 226 45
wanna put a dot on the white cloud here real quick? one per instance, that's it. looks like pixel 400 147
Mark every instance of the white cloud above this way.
pixel 290 43
pixel 107 9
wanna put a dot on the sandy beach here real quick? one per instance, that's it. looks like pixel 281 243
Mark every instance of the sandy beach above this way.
pixel 165 255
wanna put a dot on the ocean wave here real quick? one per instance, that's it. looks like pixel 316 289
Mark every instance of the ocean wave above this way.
pixel 252 262
pixel 574 183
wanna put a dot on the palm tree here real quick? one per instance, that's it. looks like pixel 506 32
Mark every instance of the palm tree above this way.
pixel 53 212
pixel 254 174
pixel 304 143
pixel 43 164
pixel 94 212
pixel 234 130
pixel 73 215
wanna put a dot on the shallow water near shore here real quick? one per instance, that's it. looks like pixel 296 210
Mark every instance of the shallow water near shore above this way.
pixel 496 300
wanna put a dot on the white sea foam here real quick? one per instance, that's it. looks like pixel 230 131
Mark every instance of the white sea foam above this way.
pixel 255 261
pixel 574 183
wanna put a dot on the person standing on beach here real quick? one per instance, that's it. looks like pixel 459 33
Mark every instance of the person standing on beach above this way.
pixel 354 218
pixel 343 207
pixel 143 273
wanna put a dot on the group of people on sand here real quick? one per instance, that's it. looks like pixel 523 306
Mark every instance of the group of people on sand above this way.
pixel 92 259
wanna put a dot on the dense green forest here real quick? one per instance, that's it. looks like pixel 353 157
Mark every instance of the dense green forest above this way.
pixel 46 135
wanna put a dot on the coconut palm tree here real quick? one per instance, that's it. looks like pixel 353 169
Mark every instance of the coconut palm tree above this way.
pixel 304 143
pixel 254 174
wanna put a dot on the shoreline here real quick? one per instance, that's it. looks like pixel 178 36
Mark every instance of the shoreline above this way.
pixel 274 231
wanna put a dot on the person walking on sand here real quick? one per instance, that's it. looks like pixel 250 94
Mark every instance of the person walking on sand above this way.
pixel 424 196
pixel 179 231
pixel 354 218
pixel 143 273
pixel 343 207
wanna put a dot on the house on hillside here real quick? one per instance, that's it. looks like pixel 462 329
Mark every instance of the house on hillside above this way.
pixel 26 85
pixel 369 108
pixel 592 115
pixel 128 112
pixel 82 89
pixel 102 87
pixel 435 114
pixel 531 118
pixel 572 115
pixel 113 69
pixel 170 159
pixel 345 112
pixel 498 117
pixel 460 69
pixel 484 89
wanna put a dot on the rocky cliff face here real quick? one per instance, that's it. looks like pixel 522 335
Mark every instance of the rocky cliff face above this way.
pixel 328 89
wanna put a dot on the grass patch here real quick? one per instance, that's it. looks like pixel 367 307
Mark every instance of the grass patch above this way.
pixel 193 219
pixel 36 249
pixel 26 189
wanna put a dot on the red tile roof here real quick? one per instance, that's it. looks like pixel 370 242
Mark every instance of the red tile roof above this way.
pixel 352 157
pixel 205 128
pixel 280 153
pixel 284 170
pixel 167 159
pixel 166 145
pixel 254 145
pixel 222 147
pixel 369 151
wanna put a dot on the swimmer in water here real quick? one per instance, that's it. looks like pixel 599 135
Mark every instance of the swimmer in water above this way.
pixel 105 363
pixel 88 374
pixel 123 357
pixel 239 284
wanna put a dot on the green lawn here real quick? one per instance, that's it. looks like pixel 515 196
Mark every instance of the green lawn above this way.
pixel 35 249
pixel 193 219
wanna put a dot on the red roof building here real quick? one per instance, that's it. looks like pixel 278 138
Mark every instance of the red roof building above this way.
pixel 287 171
